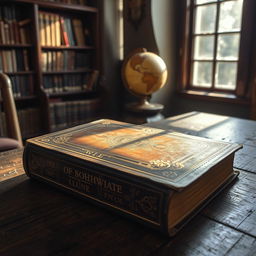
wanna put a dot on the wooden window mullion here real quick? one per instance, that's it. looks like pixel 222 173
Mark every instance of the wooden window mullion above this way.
pixel 215 44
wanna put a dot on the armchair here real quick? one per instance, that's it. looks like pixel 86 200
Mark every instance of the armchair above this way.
pixel 14 139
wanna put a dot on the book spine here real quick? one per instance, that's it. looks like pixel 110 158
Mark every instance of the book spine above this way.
pixel 143 202
pixel 64 33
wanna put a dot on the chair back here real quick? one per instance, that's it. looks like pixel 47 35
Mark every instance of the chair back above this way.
pixel 12 122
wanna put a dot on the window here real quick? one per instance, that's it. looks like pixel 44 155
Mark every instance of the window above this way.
pixel 216 44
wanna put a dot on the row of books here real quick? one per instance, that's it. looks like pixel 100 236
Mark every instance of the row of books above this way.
pixel 65 114
pixel 14 60
pixel 13 29
pixel 71 82
pixel 65 60
pixel 29 120
pixel 57 30
pixel 22 85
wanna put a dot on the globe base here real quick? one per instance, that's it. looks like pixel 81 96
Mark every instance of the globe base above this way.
pixel 145 107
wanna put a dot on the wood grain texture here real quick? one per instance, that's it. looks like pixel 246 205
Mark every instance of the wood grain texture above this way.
pixel 236 205
pixel 38 218
pixel 11 164
pixel 217 127
pixel 204 237
pixel 245 158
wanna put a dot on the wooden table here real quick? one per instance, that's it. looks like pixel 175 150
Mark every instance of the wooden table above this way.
pixel 39 220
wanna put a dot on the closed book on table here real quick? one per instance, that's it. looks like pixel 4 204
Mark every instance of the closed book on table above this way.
pixel 157 177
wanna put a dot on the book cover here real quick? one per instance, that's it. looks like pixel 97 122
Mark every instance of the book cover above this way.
pixel 173 159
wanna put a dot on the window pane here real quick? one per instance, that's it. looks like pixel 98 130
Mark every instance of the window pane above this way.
pixel 202 74
pixel 228 46
pixel 205 19
pixel 204 47
pixel 226 75
pixel 204 1
pixel 230 16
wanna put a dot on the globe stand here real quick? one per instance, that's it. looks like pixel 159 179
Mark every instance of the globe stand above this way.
pixel 143 74
pixel 144 106
pixel 143 111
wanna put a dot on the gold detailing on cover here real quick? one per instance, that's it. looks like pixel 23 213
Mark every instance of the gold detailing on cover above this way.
pixel 148 204
pixel 148 131
pixel 161 164
pixel 40 164
pixel 45 140
pixel 106 122
pixel 170 174
pixel 62 139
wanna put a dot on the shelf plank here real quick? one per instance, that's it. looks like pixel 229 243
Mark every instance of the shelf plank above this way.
pixel 64 47
pixel 23 98
pixel 61 6
pixel 66 72
pixel 69 93
pixel 20 73
pixel 31 97
pixel 16 45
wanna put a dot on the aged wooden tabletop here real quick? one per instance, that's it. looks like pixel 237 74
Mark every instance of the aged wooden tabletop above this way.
pixel 36 219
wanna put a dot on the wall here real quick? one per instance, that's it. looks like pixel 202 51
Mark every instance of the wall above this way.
pixel 111 59
pixel 163 17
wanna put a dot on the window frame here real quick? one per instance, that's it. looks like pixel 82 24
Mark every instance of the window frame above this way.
pixel 246 61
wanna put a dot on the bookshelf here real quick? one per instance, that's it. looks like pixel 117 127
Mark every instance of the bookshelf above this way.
pixel 50 50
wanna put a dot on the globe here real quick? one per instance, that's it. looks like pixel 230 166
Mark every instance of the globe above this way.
pixel 144 73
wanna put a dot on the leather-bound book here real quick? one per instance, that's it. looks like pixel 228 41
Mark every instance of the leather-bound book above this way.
pixel 154 176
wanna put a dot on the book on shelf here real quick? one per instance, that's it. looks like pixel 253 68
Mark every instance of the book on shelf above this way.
pixel 93 80
pixel 70 32
pixel 157 177
pixel 64 33
pixel 42 28
pixel 24 31
pixel 47 24
pixel 53 30
pixel 78 31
